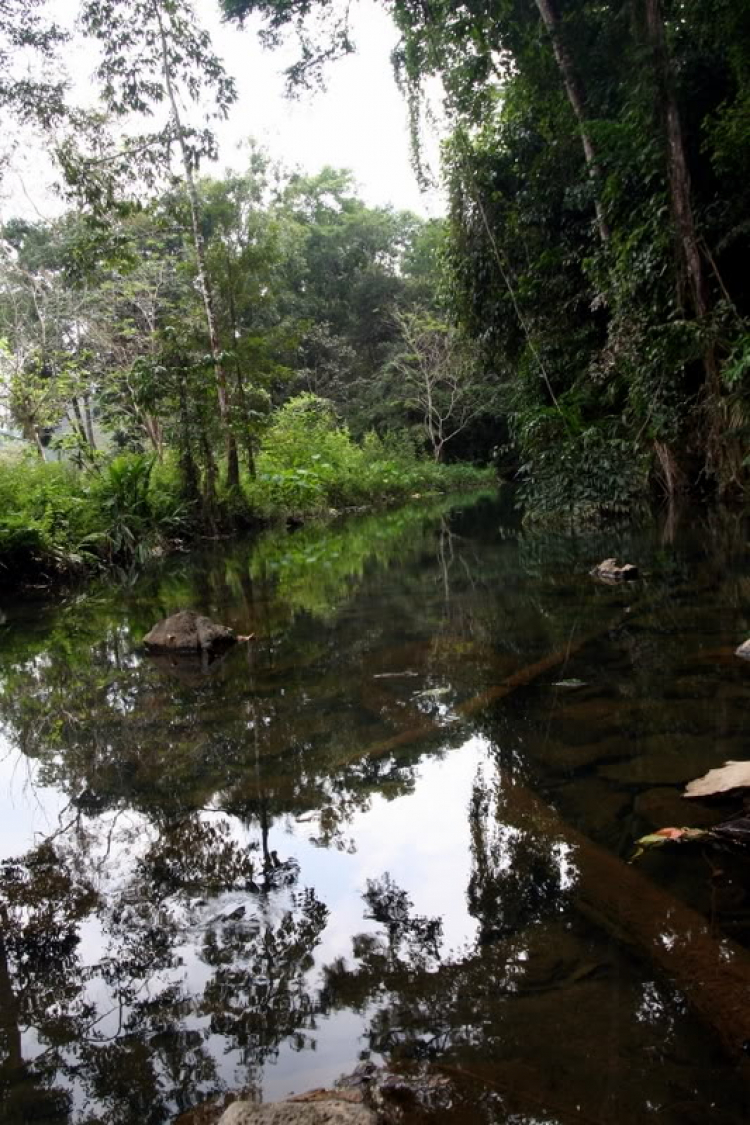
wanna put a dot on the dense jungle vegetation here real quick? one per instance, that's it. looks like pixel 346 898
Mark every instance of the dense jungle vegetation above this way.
pixel 207 350
pixel 321 305
pixel 597 171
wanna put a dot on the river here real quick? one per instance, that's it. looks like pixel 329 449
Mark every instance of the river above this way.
pixel 255 874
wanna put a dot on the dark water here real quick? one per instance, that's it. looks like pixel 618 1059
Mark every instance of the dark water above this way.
pixel 258 874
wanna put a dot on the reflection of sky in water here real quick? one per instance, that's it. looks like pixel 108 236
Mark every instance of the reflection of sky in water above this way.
pixel 395 655
pixel 28 812
pixel 421 839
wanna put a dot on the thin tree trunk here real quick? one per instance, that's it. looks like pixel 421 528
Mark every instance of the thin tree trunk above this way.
pixel 9 1016
pixel 79 426
pixel 89 421
pixel 204 281
pixel 247 435
pixel 574 90
pixel 209 482
pixel 188 468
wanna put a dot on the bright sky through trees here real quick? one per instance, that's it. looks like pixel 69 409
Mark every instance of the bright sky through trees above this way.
pixel 358 122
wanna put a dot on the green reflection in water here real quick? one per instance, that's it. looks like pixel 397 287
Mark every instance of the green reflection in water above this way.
pixel 175 933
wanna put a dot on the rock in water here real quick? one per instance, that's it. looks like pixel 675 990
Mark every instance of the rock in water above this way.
pixel 325 1112
pixel 611 571
pixel 187 631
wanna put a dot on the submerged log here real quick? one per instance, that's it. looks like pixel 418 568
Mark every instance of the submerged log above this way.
pixel 427 728
pixel 712 973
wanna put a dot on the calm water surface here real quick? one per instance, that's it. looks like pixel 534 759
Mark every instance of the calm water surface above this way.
pixel 257 874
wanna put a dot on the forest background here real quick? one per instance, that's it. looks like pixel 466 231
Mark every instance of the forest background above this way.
pixel 264 342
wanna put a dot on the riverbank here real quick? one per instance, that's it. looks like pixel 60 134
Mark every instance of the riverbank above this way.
pixel 59 524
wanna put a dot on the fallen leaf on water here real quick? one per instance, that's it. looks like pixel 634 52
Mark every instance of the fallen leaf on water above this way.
pixel 724 779
pixel 663 836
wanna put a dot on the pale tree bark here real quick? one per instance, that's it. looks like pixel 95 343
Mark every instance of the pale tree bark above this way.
pixel 204 281
pixel 576 96
pixel 445 396
pixel 249 452
pixel 89 421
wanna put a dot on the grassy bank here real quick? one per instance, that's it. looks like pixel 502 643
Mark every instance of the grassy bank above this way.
pixel 57 521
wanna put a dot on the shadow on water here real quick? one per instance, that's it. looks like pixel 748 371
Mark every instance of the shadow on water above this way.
pixel 255 874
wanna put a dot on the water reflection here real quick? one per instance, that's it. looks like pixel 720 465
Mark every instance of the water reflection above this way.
pixel 252 875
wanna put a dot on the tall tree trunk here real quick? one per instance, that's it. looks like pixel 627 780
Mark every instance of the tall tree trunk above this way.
pixel 204 281
pixel 10 1030
pixel 576 96
pixel 723 454
pixel 677 169
pixel 39 445
pixel 209 482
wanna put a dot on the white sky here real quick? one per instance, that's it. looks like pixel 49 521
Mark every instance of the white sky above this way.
pixel 359 122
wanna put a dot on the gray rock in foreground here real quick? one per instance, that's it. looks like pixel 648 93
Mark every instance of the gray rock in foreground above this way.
pixel 187 631
pixel 327 1112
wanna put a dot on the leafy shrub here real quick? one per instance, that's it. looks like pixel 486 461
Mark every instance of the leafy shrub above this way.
pixel 577 471
pixel 54 517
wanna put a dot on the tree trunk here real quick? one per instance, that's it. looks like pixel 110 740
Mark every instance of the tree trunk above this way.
pixel 677 169
pixel 204 281
pixel 723 454
pixel 576 96
pixel 89 421
pixel 10 1030
pixel 247 435
pixel 208 495
pixel 712 973
pixel 78 426
pixel 188 467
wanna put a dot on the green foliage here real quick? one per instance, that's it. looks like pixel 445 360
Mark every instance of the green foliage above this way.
pixel 309 463
pixel 46 514
pixel 134 522
pixel 578 471
pixel 55 519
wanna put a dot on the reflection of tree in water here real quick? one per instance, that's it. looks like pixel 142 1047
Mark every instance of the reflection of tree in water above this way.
pixel 41 981
pixel 258 996
pixel 539 1009
pixel 170 775
pixel 126 1028
pixel 517 877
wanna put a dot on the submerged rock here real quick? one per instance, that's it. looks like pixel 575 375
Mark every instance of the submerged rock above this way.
pixel 187 631
pixel 611 571
pixel 330 1110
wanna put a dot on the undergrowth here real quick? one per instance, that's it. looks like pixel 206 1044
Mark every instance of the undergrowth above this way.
pixel 57 520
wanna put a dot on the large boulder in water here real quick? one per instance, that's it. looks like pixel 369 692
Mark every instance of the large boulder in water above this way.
pixel 187 631
pixel 327 1111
